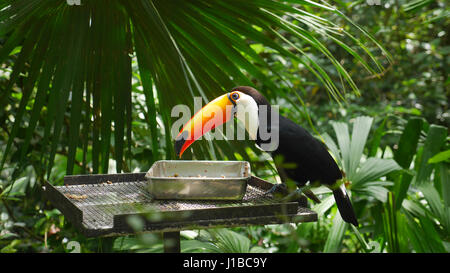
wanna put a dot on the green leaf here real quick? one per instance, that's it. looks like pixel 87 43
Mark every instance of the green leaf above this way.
pixel 343 139
pixel 414 6
pixel 433 199
pixel 376 139
pixel 440 157
pixel 444 173
pixel 77 99
pixel 361 129
pixel 68 70
pixel 324 205
pixel 333 148
pixel 371 247
pixel 390 224
pixel 229 241
pixel 431 243
pixel 401 187
pixel 372 169
pixel 29 49
pixel 407 144
pixel 336 235
pixel 144 67
pixel 415 208
pixel 435 139
pixel 195 246
pixel 372 189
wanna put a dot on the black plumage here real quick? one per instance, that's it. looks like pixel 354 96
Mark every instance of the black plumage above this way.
pixel 308 157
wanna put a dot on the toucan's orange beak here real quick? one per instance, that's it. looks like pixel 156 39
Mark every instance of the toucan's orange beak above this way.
pixel 215 113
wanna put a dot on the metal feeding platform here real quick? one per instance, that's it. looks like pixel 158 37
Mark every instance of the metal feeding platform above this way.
pixel 102 205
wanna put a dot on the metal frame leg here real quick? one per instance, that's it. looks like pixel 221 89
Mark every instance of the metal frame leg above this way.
pixel 171 242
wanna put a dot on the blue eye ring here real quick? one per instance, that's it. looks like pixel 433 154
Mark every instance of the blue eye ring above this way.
pixel 235 96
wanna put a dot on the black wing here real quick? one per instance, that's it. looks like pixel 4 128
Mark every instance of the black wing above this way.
pixel 308 156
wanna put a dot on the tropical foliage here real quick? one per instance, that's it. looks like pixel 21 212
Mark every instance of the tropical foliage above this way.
pixel 88 89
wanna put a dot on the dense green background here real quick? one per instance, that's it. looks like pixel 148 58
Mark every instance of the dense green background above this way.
pixel 87 89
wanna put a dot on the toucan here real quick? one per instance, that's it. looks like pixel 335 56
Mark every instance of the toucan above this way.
pixel 308 158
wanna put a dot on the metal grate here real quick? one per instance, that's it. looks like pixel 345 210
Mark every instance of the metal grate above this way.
pixel 100 202
pixel 100 205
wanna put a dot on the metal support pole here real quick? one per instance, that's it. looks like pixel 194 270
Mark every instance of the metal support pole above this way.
pixel 171 242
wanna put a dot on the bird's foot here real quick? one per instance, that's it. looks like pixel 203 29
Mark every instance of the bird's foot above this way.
pixel 277 188
pixel 294 195
pixel 297 196
pixel 281 193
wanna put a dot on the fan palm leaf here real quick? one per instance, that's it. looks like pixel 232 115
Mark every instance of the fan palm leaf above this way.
pixel 363 174
pixel 77 62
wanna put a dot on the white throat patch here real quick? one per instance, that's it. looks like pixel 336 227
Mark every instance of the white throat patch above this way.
pixel 247 113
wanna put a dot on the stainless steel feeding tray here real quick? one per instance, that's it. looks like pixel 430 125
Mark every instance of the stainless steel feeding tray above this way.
pixel 198 180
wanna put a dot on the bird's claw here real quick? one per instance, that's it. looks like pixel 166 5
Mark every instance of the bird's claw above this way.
pixel 277 188
pixel 280 192
pixel 296 196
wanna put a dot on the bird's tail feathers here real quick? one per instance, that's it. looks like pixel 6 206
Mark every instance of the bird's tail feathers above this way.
pixel 344 205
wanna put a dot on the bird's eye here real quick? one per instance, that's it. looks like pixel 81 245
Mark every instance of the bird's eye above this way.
pixel 235 96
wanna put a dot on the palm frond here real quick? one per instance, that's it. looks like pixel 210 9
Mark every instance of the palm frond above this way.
pixel 77 61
